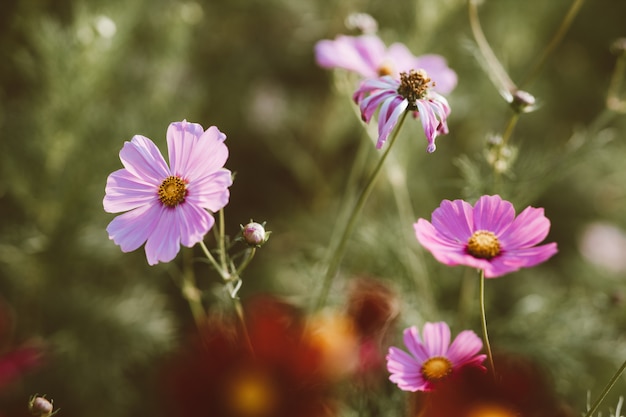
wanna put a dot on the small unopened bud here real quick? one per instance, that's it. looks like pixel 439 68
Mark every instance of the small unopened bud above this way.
pixel 40 406
pixel 254 234
pixel 523 102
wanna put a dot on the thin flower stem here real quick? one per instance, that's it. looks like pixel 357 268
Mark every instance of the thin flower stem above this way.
pixel 613 102
pixel 338 253
pixel 221 243
pixel 213 261
pixel 606 390
pixel 483 317
pixel 190 290
pixel 495 70
pixel 508 130
pixel 554 42
pixel 246 262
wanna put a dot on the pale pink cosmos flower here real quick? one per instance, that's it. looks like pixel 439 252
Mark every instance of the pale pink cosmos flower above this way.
pixel 432 358
pixel 412 92
pixel 368 56
pixel 486 236
pixel 166 206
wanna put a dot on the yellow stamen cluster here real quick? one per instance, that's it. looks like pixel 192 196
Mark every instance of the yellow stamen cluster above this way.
pixel 414 86
pixel 483 244
pixel 436 368
pixel 172 191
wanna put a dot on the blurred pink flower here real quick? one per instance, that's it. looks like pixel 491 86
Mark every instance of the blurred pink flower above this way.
pixel 432 359
pixel 167 206
pixel 368 56
pixel 411 92
pixel 487 236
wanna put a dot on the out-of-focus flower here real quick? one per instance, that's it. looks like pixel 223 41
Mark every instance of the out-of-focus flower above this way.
pixel 604 245
pixel 432 359
pixel 167 206
pixel 521 389
pixel 368 56
pixel 335 336
pixel 486 236
pixel 15 360
pixel 373 308
pixel 411 92
pixel 270 370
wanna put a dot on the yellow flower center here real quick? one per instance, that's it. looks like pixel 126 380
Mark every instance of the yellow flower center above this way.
pixel 436 368
pixel 252 395
pixel 414 86
pixel 483 244
pixel 172 191
pixel 491 410
pixel 385 69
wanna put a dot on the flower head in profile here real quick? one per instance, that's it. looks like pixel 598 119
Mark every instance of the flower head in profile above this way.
pixel 411 92
pixel 431 358
pixel 486 236
pixel 368 56
pixel 166 206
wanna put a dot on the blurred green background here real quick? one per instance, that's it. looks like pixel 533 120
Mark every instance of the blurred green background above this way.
pixel 78 78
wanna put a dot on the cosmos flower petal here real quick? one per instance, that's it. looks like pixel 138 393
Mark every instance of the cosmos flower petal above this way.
pixel 125 191
pixel 454 219
pixel 413 342
pixel 404 370
pixel 362 54
pixel 520 258
pixel 143 159
pixel 211 192
pixel 529 228
pixel 131 229
pixel 494 214
pixel 436 338
pixel 194 223
pixel 464 347
pixel 386 124
pixel 164 242
pixel 209 155
pixel 182 138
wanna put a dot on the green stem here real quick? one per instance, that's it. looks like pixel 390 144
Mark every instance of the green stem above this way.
pixel 554 42
pixel 246 261
pixel 606 390
pixel 190 290
pixel 483 317
pixel 338 253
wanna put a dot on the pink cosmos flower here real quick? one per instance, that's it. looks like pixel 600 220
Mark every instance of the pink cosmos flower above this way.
pixel 368 56
pixel 167 206
pixel 432 359
pixel 411 92
pixel 487 236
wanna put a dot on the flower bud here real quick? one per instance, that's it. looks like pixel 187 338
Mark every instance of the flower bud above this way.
pixel 40 406
pixel 254 234
pixel 523 102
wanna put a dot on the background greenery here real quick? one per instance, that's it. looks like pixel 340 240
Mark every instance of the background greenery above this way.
pixel 79 78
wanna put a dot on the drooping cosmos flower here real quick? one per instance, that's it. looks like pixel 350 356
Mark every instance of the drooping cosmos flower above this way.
pixel 486 236
pixel 411 92
pixel 431 358
pixel 167 206
pixel 368 56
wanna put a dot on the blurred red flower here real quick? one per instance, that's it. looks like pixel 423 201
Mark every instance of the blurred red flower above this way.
pixel 273 371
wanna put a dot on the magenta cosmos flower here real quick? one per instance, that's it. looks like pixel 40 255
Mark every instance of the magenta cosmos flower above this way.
pixel 487 236
pixel 412 92
pixel 368 56
pixel 433 358
pixel 167 206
